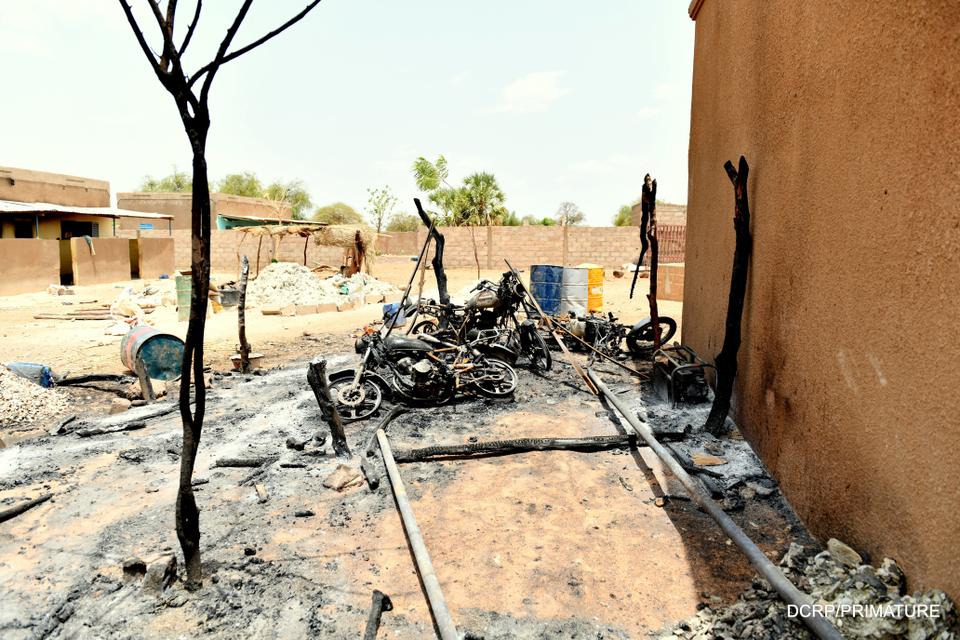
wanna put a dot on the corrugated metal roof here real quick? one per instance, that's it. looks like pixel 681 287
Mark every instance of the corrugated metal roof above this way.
pixel 268 220
pixel 10 207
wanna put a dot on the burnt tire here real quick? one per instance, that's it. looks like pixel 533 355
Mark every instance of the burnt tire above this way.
pixel 640 341
pixel 540 358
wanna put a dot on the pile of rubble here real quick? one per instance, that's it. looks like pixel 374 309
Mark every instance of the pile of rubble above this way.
pixel 287 283
pixel 23 401
pixel 836 577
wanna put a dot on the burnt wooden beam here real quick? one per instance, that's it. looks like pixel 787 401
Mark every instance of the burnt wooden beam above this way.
pixel 520 445
pixel 654 264
pixel 242 316
pixel 317 379
pixel 437 261
pixel 381 602
pixel 726 360
pixel 16 510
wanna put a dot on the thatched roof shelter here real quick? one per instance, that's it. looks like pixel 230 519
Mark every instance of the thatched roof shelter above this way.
pixel 358 241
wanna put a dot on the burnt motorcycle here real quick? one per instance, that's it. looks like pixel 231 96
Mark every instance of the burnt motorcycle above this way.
pixel 607 335
pixel 416 370
pixel 488 318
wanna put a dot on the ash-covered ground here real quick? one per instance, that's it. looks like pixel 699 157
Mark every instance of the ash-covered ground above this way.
pixel 545 544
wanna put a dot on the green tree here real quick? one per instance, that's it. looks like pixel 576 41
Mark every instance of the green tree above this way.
pixel 178 181
pixel 380 204
pixel 511 220
pixel 292 194
pixel 403 222
pixel 624 217
pixel 245 184
pixel 337 213
pixel 569 214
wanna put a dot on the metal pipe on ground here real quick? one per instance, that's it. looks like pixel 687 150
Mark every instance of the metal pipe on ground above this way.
pixel 438 606
pixel 817 624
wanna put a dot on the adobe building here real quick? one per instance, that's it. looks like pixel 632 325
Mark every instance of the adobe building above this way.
pixel 849 116
pixel 223 207
pixel 59 229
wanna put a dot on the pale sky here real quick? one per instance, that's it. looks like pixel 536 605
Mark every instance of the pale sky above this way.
pixel 562 100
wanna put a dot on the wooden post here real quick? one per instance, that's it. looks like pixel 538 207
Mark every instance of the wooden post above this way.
pixel 242 317
pixel 317 378
pixel 259 244
pixel 437 253
pixel 654 263
pixel 726 360
pixel 306 241
pixel 146 387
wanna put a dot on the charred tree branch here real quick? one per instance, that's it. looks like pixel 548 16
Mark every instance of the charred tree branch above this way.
pixel 726 360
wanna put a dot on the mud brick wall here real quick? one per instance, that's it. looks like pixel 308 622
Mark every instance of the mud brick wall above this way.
pixel 398 244
pixel 28 265
pixel 110 263
pixel 156 256
pixel 523 246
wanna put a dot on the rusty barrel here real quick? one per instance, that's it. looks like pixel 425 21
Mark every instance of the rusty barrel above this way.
pixel 161 353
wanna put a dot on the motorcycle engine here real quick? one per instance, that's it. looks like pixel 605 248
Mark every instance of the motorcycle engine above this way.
pixel 422 378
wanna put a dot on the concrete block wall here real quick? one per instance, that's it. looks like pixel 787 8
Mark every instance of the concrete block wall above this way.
pixel 670 281
pixel 608 246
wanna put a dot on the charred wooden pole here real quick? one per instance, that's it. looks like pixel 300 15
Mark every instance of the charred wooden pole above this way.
pixel 381 602
pixel 317 379
pixel 259 244
pixel 437 253
pixel 493 448
pixel 648 200
pixel 16 510
pixel 654 264
pixel 726 360
pixel 406 292
pixel 242 317
pixel 306 243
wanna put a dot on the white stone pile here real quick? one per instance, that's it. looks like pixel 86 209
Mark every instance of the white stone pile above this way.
pixel 285 283
pixel 24 401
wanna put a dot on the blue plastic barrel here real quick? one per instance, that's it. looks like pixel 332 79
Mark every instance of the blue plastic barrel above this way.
pixel 545 287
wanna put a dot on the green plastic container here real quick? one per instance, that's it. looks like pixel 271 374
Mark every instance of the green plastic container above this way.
pixel 184 290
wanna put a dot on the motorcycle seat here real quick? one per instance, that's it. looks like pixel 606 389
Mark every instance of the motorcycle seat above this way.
pixel 403 342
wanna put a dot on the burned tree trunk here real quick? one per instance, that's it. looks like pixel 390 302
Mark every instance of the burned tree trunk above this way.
pixel 726 360
pixel 187 515
pixel 437 261
pixel 654 264
pixel 242 317
pixel 191 100
pixel 648 202
pixel 317 378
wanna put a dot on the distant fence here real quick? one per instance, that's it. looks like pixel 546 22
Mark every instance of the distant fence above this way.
pixel 609 246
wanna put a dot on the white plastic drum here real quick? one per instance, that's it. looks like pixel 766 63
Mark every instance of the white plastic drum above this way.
pixel 574 289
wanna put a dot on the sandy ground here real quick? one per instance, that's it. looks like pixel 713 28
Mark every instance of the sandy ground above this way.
pixel 549 544
pixel 77 347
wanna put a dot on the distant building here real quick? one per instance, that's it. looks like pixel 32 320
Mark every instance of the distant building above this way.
pixel 177 204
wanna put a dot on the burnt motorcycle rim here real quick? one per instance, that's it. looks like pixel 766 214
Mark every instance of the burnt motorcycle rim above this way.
pixel 373 398
pixel 495 379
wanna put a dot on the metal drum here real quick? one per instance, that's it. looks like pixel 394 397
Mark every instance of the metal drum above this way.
pixel 573 294
pixel 161 353
pixel 594 287
pixel 546 281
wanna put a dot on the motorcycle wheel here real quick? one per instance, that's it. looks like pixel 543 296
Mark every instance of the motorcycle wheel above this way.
pixel 424 326
pixel 540 358
pixel 495 379
pixel 640 342
pixel 356 403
